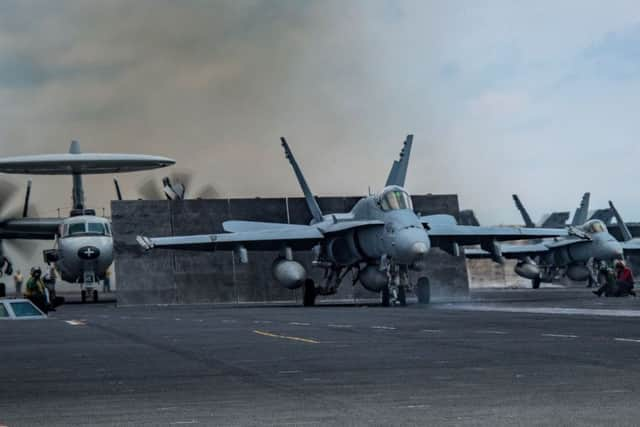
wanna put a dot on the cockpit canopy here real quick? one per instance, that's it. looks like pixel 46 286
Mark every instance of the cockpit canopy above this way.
pixel 594 226
pixel 87 228
pixel 395 198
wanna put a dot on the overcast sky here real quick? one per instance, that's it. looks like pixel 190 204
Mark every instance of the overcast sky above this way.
pixel 538 98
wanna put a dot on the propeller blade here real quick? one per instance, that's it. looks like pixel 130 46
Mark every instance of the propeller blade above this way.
pixel 183 177
pixel 21 247
pixel 7 190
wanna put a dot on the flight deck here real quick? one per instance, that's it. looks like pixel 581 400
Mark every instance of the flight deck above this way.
pixel 514 357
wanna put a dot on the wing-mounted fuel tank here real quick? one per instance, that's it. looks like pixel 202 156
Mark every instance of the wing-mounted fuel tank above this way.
pixel 527 269
pixel 290 274
pixel 373 279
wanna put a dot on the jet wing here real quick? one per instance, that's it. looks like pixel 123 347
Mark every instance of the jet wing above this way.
pixel 244 226
pixel 30 228
pixel 252 235
pixel 631 246
pixel 325 228
pixel 510 251
pixel 266 240
pixel 473 235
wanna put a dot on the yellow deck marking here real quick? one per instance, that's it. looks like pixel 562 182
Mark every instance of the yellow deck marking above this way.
pixel 285 337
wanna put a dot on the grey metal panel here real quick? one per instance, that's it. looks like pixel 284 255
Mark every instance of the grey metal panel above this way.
pixel 144 280
pixel 268 210
pixel 432 204
pixel 193 270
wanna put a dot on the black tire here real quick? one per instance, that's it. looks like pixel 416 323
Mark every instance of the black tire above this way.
pixel 535 283
pixel 94 296
pixel 309 295
pixel 3 290
pixel 423 290
pixel 402 296
pixel 83 296
pixel 386 297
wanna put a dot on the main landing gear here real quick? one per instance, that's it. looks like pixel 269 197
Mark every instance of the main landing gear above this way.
pixel 392 295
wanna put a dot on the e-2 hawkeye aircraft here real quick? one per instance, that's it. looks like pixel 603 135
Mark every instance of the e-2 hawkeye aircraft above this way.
pixel 588 243
pixel 83 248
pixel 378 241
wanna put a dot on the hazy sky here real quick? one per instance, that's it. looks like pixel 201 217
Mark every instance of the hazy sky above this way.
pixel 507 96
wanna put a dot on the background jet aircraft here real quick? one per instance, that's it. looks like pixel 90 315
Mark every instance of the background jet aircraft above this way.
pixel 556 219
pixel 83 249
pixel 378 241
pixel 589 241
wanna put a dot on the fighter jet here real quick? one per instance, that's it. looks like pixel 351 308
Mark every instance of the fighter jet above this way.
pixel 589 242
pixel 83 248
pixel 378 241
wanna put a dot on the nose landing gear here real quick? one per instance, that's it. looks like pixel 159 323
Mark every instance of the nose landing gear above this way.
pixel 88 288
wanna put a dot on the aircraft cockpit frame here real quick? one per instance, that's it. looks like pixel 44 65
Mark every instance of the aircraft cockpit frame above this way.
pixel 394 198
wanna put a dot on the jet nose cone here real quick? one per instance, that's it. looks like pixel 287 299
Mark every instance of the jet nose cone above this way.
pixel 411 245
pixel 419 249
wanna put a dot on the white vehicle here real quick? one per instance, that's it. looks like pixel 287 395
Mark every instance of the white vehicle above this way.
pixel 19 309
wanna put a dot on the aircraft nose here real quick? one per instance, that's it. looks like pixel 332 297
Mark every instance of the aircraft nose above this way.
pixel 411 245
pixel 419 249
pixel 612 249
pixel 618 250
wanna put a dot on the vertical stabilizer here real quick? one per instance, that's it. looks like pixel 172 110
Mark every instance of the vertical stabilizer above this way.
pixel 582 213
pixel 78 188
pixel 312 203
pixel 624 230
pixel 398 173
pixel 523 211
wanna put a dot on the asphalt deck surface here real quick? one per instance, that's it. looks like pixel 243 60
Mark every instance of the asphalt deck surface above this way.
pixel 573 361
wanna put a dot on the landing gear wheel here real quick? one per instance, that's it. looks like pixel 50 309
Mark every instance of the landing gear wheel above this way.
pixel 423 290
pixel 95 296
pixel 386 297
pixel 402 296
pixel 83 296
pixel 535 283
pixel 309 296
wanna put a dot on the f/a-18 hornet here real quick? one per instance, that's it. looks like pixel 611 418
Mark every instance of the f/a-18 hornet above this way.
pixel 83 249
pixel 588 243
pixel 378 241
